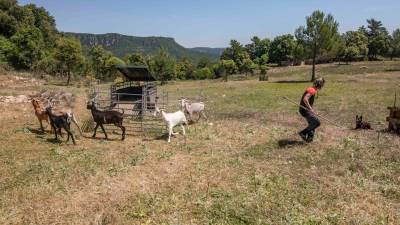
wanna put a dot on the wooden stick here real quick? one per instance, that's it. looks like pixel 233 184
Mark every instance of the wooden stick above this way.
pixel 322 117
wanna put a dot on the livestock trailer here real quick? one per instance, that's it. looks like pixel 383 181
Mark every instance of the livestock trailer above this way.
pixel 136 96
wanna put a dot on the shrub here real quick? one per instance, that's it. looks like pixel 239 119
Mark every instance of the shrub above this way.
pixel 203 73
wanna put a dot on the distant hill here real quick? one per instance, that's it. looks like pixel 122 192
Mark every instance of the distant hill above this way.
pixel 120 45
pixel 216 52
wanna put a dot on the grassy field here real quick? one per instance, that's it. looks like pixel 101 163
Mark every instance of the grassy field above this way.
pixel 247 167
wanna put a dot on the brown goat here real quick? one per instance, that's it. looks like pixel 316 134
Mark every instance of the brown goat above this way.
pixel 40 113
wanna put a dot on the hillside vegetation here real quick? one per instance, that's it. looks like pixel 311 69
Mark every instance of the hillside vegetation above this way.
pixel 247 167
pixel 121 45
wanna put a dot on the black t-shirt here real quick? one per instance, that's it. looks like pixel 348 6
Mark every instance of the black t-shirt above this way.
pixel 312 91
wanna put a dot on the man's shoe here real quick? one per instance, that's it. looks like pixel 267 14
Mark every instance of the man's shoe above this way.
pixel 303 136
pixel 310 137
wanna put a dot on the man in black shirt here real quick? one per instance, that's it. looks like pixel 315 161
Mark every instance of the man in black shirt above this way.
pixel 307 111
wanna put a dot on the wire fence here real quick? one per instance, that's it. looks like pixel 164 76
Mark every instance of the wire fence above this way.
pixel 138 109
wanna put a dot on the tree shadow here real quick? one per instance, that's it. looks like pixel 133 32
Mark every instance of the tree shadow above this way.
pixel 392 70
pixel 286 143
pixel 292 81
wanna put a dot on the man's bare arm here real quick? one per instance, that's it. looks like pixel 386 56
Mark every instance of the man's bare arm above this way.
pixel 305 100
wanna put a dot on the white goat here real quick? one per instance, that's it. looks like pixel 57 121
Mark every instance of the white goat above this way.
pixel 193 108
pixel 172 120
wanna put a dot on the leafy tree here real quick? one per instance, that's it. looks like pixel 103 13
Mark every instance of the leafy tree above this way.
pixel 224 68
pixel 350 53
pixel 395 44
pixel 104 64
pixel 136 59
pixel 44 22
pixel 299 52
pixel 24 15
pixel 263 73
pixel 282 49
pixel 49 65
pixel 69 54
pixel 162 65
pixel 98 57
pixel 320 35
pixel 263 60
pixel 378 38
pixel 28 48
pixel 203 73
pixel 237 53
pixel 229 66
pixel 111 66
pixel 203 62
pixel 7 4
pixel 354 44
pixel 6 47
pixel 248 66
pixel 257 49
pixel 184 69
pixel 8 24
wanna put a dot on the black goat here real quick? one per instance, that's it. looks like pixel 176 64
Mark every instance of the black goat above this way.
pixel 106 117
pixel 58 121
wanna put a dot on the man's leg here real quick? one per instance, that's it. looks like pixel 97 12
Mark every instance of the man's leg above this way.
pixel 304 133
pixel 313 123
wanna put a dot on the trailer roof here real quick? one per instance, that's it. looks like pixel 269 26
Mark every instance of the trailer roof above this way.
pixel 136 73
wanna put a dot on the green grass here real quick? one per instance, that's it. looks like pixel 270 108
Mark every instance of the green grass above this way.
pixel 248 167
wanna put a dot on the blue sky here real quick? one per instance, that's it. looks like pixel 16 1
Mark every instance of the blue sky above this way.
pixel 211 23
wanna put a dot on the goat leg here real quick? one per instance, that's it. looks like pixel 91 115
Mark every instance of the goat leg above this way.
pixel 198 118
pixel 72 136
pixel 101 125
pixel 67 134
pixel 123 132
pixel 204 115
pixel 41 125
pixel 169 133
pixel 183 130
pixel 55 131
pixel 59 132
pixel 95 129
pixel 191 116
pixel 174 133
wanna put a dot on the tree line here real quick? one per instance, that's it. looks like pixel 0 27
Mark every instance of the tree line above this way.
pixel 318 41
pixel 29 40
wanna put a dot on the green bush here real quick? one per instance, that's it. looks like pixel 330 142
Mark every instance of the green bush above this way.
pixel 5 49
pixel 204 73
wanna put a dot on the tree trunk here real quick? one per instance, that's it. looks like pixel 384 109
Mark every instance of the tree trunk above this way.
pixel 69 78
pixel 313 62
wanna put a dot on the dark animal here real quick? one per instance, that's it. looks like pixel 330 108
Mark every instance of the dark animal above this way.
pixel 360 124
pixel 106 117
pixel 59 121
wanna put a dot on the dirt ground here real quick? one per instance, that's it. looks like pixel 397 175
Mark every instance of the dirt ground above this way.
pixel 246 165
